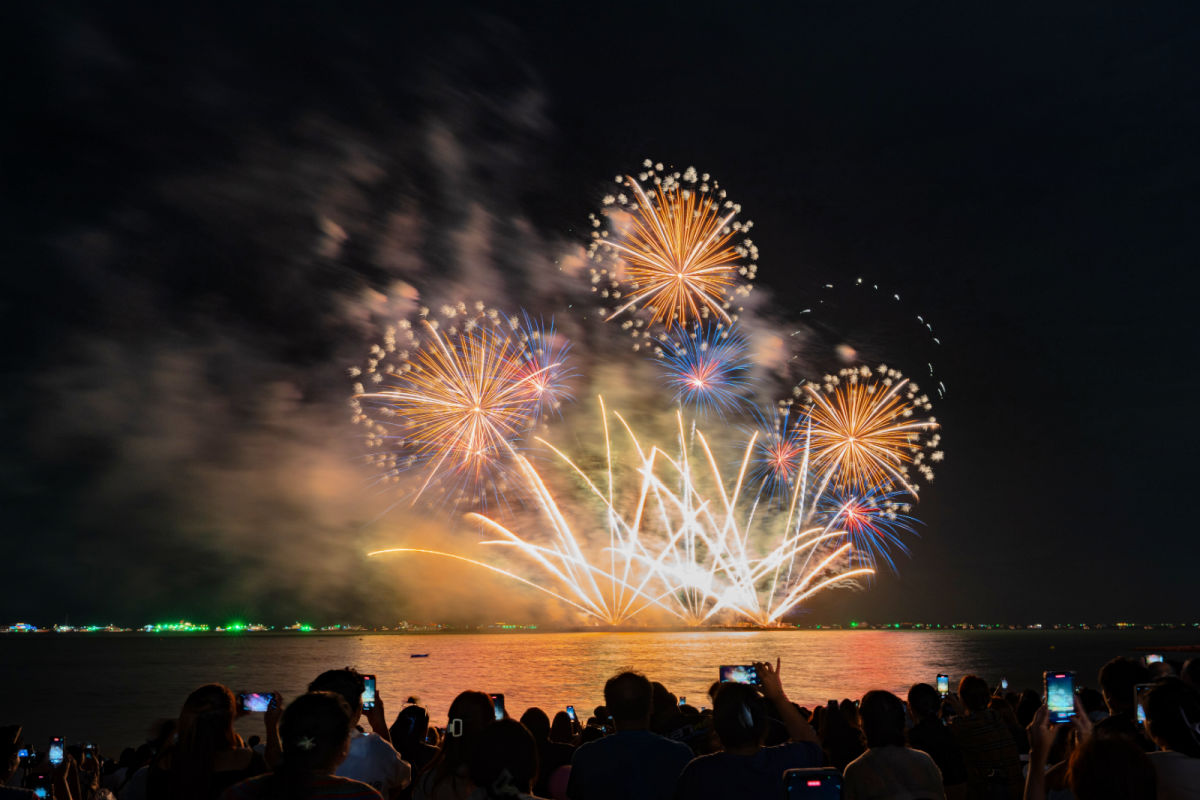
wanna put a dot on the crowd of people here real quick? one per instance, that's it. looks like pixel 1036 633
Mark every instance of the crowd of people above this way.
pixel 979 742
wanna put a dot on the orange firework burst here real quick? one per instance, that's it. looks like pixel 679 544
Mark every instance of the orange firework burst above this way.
pixel 865 429
pixel 681 255
pixel 454 397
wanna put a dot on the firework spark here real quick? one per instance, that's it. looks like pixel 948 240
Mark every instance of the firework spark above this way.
pixel 683 539
pixel 454 395
pixel 875 523
pixel 707 367
pixel 681 257
pixel 866 432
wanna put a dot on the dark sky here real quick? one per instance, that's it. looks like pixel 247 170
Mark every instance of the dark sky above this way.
pixel 178 316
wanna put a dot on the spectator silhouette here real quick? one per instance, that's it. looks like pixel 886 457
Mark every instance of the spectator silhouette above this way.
pixel 633 762
pixel 447 776
pixel 1117 681
pixel 843 741
pixel 987 745
pixel 745 768
pixel 207 756
pixel 889 770
pixel 504 762
pixel 371 759
pixel 551 754
pixel 316 731
pixel 930 734
pixel 409 733
pixel 1173 723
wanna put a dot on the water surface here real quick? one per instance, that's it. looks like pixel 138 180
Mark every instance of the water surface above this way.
pixel 109 688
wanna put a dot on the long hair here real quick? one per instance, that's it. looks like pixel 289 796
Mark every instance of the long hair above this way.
pixel 205 729
pixel 314 730
pixel 504 760
pixel 475 711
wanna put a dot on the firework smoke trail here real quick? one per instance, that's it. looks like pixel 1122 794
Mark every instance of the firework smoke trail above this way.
pixel 455 394
pixel 690 545
pixel 682 256
pixel 865 431
pixel 707 367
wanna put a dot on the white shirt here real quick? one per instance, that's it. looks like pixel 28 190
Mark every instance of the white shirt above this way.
pixel 375 762
pixel 1178 775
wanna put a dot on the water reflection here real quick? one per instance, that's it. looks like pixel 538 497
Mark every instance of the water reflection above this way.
pixel 109 688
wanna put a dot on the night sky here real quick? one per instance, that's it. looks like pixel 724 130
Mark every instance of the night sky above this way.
pixel 178 309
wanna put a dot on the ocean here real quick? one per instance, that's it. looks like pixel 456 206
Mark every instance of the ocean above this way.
pixel 109 688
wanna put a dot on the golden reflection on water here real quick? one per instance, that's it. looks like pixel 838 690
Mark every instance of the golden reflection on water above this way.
pixel 552 670
pixel 108 689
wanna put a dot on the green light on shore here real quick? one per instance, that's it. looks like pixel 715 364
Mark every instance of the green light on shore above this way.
pixel 853 624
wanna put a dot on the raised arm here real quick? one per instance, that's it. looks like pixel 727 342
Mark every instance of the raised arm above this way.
pixel 772 688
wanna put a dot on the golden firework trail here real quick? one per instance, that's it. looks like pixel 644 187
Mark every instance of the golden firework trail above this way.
pixel 683 540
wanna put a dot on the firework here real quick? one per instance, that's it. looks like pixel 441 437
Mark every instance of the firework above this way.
pixel 707 367
pixel 546 370
pixel 875 523
pixel 781 450
pixel 866 430
pixel 678 252
pixel 452 396
pixel 681 538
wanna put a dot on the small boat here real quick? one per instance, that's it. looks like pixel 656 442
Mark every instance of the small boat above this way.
pixel 418 655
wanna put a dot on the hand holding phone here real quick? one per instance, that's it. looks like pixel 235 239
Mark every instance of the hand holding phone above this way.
pixel 55 753
pixel 498 705
pixel 368 694
pixel 1139 699
pixel 257 702
pixel 1060 695
pixel 571 713
pixel 739 673
pixel 943 684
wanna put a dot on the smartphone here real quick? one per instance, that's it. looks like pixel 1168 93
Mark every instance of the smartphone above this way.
pixel 1060 695
pixel 42 784
pixel 943 684
pixel 1139 700
pixel 498 705
pixel 55 753
pixel 256 702
pixel 739 673
pixel 368 695
pixel 1004 684
pixel 813 783
pixel 682 700
pixel 23 752
pixel 1153 658
pixel 572 715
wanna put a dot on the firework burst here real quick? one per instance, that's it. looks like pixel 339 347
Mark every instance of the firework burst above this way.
pixel 680 538
pixel 707 367
pixel 676 253
pixel 867 432
pixel 452 395
pixel 876 523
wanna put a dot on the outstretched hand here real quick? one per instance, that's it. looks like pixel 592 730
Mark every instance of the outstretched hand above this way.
pixel 770 680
